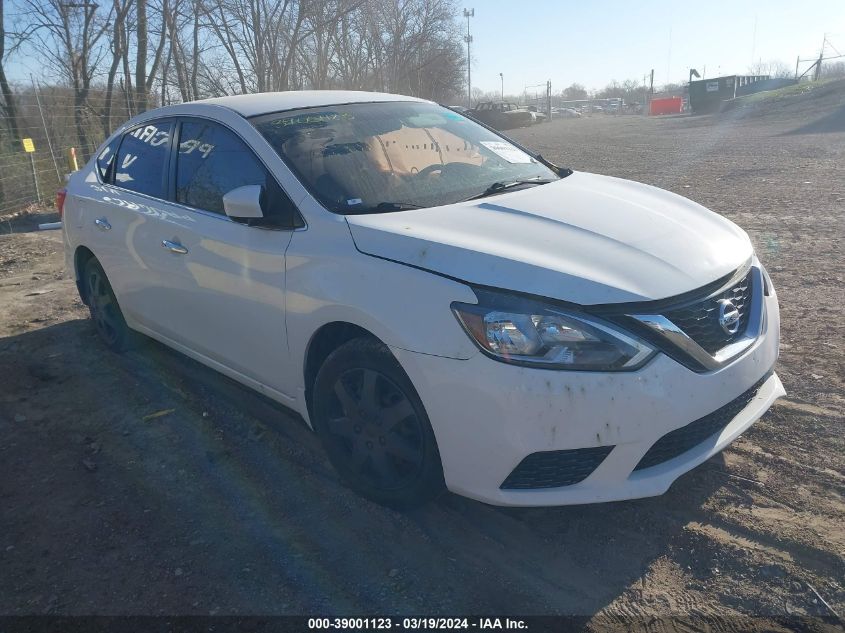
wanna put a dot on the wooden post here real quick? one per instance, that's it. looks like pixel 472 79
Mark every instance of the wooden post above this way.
pixel 650 91
pixel 72 163
pixel 29 148
pixel 34 177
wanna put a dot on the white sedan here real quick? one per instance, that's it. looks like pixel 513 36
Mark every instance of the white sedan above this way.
pixel 444 307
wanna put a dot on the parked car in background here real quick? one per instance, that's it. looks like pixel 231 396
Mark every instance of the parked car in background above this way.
pixel 539 115
pixel 565 113
pixel 460 109
pixel 502 115
pixel 443 307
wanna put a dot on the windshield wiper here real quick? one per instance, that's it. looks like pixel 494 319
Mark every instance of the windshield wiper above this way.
pixel 500 186
pixel 384 207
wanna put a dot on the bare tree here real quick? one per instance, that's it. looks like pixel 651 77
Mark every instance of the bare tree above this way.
pixel 411 46
pixel 833 70
pixel 69 35
pixel 629 91
pixel 141 55
pixel 118 48
pixel 136 52
pixel 574 92
pixel 774 68
pixel 9 105
pixel 354 52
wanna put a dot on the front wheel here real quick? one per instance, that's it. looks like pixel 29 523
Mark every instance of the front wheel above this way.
pixel 373 426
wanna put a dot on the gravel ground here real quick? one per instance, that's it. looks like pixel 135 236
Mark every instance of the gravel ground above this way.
pixel 148 484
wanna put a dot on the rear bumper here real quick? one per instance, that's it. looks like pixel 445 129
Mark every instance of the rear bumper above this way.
pixel 488 416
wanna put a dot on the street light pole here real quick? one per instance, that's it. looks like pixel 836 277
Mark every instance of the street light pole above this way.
pixel 469 13
pixel 502 77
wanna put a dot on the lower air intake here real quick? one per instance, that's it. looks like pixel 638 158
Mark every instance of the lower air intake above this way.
pixel 687 437
pixel 553 469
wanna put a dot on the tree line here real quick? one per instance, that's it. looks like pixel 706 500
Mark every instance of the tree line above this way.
pixel 101 61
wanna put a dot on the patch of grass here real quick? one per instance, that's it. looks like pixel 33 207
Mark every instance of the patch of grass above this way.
pixel 780 93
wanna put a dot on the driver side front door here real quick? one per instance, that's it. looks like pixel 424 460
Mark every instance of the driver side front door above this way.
pixel 222 294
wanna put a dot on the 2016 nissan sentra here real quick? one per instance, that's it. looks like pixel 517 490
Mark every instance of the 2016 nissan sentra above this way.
pixel 442 306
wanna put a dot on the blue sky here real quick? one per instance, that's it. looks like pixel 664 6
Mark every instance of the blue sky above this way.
pixel 593 42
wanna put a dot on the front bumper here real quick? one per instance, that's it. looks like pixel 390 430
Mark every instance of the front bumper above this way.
pixel 488 416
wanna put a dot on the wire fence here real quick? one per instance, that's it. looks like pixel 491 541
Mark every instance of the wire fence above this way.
pixel 33 178
pixel 51 123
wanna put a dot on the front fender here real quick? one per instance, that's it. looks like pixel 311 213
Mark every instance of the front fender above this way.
pixel 328 280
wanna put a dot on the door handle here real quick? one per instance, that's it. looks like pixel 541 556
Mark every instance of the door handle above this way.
pixel 102 224
pixel 174 247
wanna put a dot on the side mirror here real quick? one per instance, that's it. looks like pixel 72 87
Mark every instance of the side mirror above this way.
pixel 244 203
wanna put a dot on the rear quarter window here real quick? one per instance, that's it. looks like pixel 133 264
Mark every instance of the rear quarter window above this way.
pixel 105 159
pixel 142 159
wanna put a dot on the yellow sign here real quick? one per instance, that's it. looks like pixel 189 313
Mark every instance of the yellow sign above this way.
pixel 28 145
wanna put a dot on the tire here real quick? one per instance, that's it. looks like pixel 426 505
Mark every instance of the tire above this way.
pixel 105 311
pixel 374 427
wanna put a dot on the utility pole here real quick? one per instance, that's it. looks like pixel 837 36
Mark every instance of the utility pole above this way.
pixel 469 13
pixel 650 92
pixel 818 73
pixel 502 77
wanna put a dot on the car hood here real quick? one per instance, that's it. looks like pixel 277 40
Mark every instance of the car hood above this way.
pixel 587 239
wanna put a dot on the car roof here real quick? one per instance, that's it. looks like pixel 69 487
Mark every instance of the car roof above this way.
pixel 249 105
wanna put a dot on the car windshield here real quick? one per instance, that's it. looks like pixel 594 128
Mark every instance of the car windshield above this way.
pixel 381 157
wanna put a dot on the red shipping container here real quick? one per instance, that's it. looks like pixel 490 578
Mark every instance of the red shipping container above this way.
pixel 669 105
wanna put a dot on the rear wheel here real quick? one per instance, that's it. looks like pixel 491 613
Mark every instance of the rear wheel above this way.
pixel 374 427
pixel 105 311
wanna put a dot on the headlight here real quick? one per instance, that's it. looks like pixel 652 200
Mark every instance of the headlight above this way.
pixel 529 333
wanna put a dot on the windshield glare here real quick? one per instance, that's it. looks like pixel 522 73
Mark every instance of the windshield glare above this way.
pixel 356 157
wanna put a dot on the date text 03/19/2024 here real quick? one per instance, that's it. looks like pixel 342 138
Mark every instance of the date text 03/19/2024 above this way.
pixel 414 624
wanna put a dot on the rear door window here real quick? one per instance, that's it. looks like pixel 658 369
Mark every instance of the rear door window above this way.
pixel 142 159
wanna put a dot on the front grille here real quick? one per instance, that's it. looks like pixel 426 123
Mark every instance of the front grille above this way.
pixel 700 321
pixel 553 469
pixel 687 437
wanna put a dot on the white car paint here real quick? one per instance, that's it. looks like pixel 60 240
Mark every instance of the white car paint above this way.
pixel 247 302
pixel 587 239
pixel 530 410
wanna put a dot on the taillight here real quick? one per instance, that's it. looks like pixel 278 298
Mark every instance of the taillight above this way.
pixel 61 194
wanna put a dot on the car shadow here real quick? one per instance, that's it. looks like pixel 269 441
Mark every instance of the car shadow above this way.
pixel 157 485
pixel 27 221
pixel 833 122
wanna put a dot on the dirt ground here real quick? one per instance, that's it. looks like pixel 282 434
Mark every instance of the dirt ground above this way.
pixel 148 484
